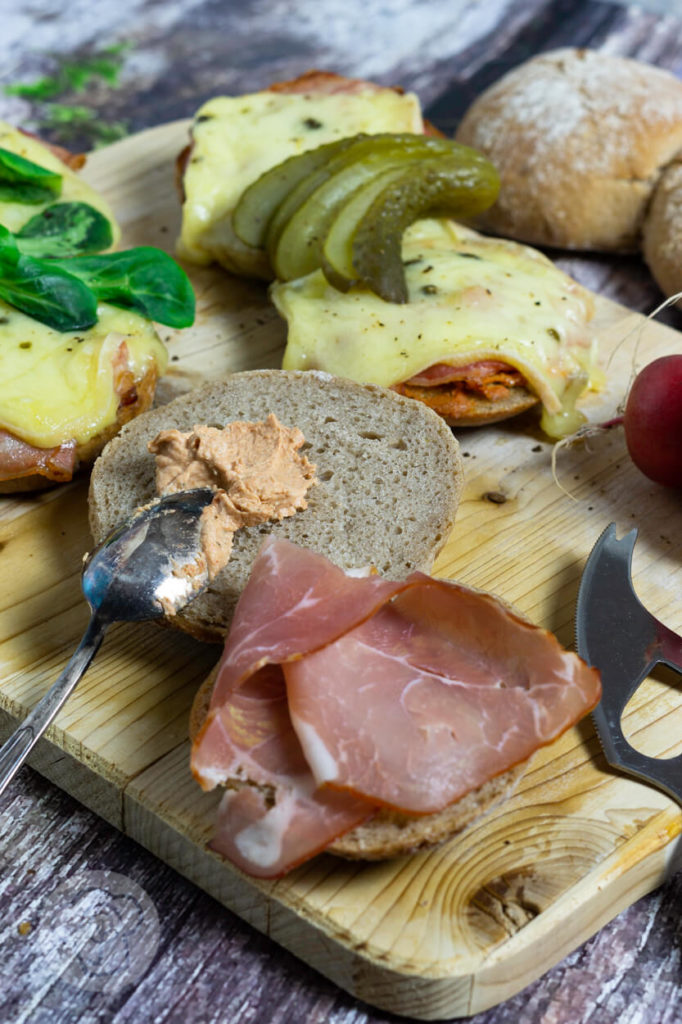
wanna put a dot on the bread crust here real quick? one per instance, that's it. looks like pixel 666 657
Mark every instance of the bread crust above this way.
pixel 580 139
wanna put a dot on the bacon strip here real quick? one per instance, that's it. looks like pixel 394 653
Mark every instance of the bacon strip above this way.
pixel 20 459
pixel 475 375
pixel 407 695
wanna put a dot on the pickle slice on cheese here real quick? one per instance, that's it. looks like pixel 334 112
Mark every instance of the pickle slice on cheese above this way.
pixel 296 251
pixel 260 200
pixel 336 253
pixel 365 151
pixel 363 242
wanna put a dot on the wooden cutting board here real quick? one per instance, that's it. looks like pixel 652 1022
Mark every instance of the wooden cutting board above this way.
pixel 441 934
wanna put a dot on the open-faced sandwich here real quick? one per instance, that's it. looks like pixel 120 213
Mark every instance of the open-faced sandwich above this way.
pixel 338 210
pixel 360 706
pixel 80 355
pixel 378 477
pixel 370 718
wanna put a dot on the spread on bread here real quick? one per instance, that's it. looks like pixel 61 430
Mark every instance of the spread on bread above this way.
pixel 474 303
pixel 390 477
pixel 255 468
pixel 340 694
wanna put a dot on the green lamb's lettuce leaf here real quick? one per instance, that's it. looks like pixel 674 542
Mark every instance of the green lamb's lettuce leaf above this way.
pixel 47 293
pixel 65 229
pixel 8 247
pixel 145 280
pixel 22 181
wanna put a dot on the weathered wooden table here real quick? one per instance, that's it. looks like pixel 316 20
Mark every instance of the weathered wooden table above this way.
pixel 90 74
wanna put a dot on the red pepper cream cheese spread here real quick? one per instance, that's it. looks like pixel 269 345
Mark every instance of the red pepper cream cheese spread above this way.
pixel 255 469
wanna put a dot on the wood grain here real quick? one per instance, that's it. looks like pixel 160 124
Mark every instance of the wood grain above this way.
pixel 452 931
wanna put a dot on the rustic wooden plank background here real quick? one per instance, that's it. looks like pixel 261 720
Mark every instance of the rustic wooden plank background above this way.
pixel 202 964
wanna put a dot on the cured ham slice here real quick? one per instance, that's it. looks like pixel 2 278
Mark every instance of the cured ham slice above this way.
pixel 460 688
pixel 295 602
pixel 338 694
pixel 253 738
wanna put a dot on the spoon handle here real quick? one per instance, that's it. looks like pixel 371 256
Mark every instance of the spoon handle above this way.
pixel 16 749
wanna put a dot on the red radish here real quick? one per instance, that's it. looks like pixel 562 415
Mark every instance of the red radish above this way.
pixel 653 421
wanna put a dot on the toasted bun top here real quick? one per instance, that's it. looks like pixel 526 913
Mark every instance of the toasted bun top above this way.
pixel 389 472
pixel 579 138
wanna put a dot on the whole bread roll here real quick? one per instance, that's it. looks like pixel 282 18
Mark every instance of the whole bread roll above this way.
pixel 580 139
pixel 662 237
pixel 389 477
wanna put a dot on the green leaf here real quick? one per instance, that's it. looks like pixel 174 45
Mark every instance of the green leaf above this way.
pixel 65 229
pixel 69 123
pixel 47 293
pixel 41 89
pixel 8 247
pixel 145 280
pixel 22 181
pixel 74 75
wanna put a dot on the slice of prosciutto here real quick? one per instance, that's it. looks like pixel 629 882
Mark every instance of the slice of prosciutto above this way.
pixel 337 695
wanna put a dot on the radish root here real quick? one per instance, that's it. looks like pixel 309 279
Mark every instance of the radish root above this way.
pixel 589 430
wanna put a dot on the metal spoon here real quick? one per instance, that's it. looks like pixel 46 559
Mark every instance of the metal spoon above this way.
pixel 132 576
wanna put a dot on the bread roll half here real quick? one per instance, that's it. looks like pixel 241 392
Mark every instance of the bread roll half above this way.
pixel 389 477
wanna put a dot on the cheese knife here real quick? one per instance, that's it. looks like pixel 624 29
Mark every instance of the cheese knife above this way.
pixel 616 634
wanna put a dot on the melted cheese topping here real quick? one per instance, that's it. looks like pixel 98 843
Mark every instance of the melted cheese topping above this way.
pixel 236 139
pixel 74 189
pixel 470 298
pixel 56 387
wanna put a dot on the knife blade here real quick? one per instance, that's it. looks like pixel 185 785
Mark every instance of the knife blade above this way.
pixel 616 634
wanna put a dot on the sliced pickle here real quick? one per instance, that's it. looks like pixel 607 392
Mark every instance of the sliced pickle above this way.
pixel 260 200
pixel 336 252
pixel 362 147
pixel 296 250
pixel 363 241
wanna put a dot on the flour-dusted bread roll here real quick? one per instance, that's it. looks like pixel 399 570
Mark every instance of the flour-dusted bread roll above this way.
pixel 662 236
pixel 389 477
pixel 580 139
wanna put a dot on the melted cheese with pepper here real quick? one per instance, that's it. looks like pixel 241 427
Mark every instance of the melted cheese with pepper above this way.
pixel 236 139
pixel 470 298
pixel 56 387
pixel 74 189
